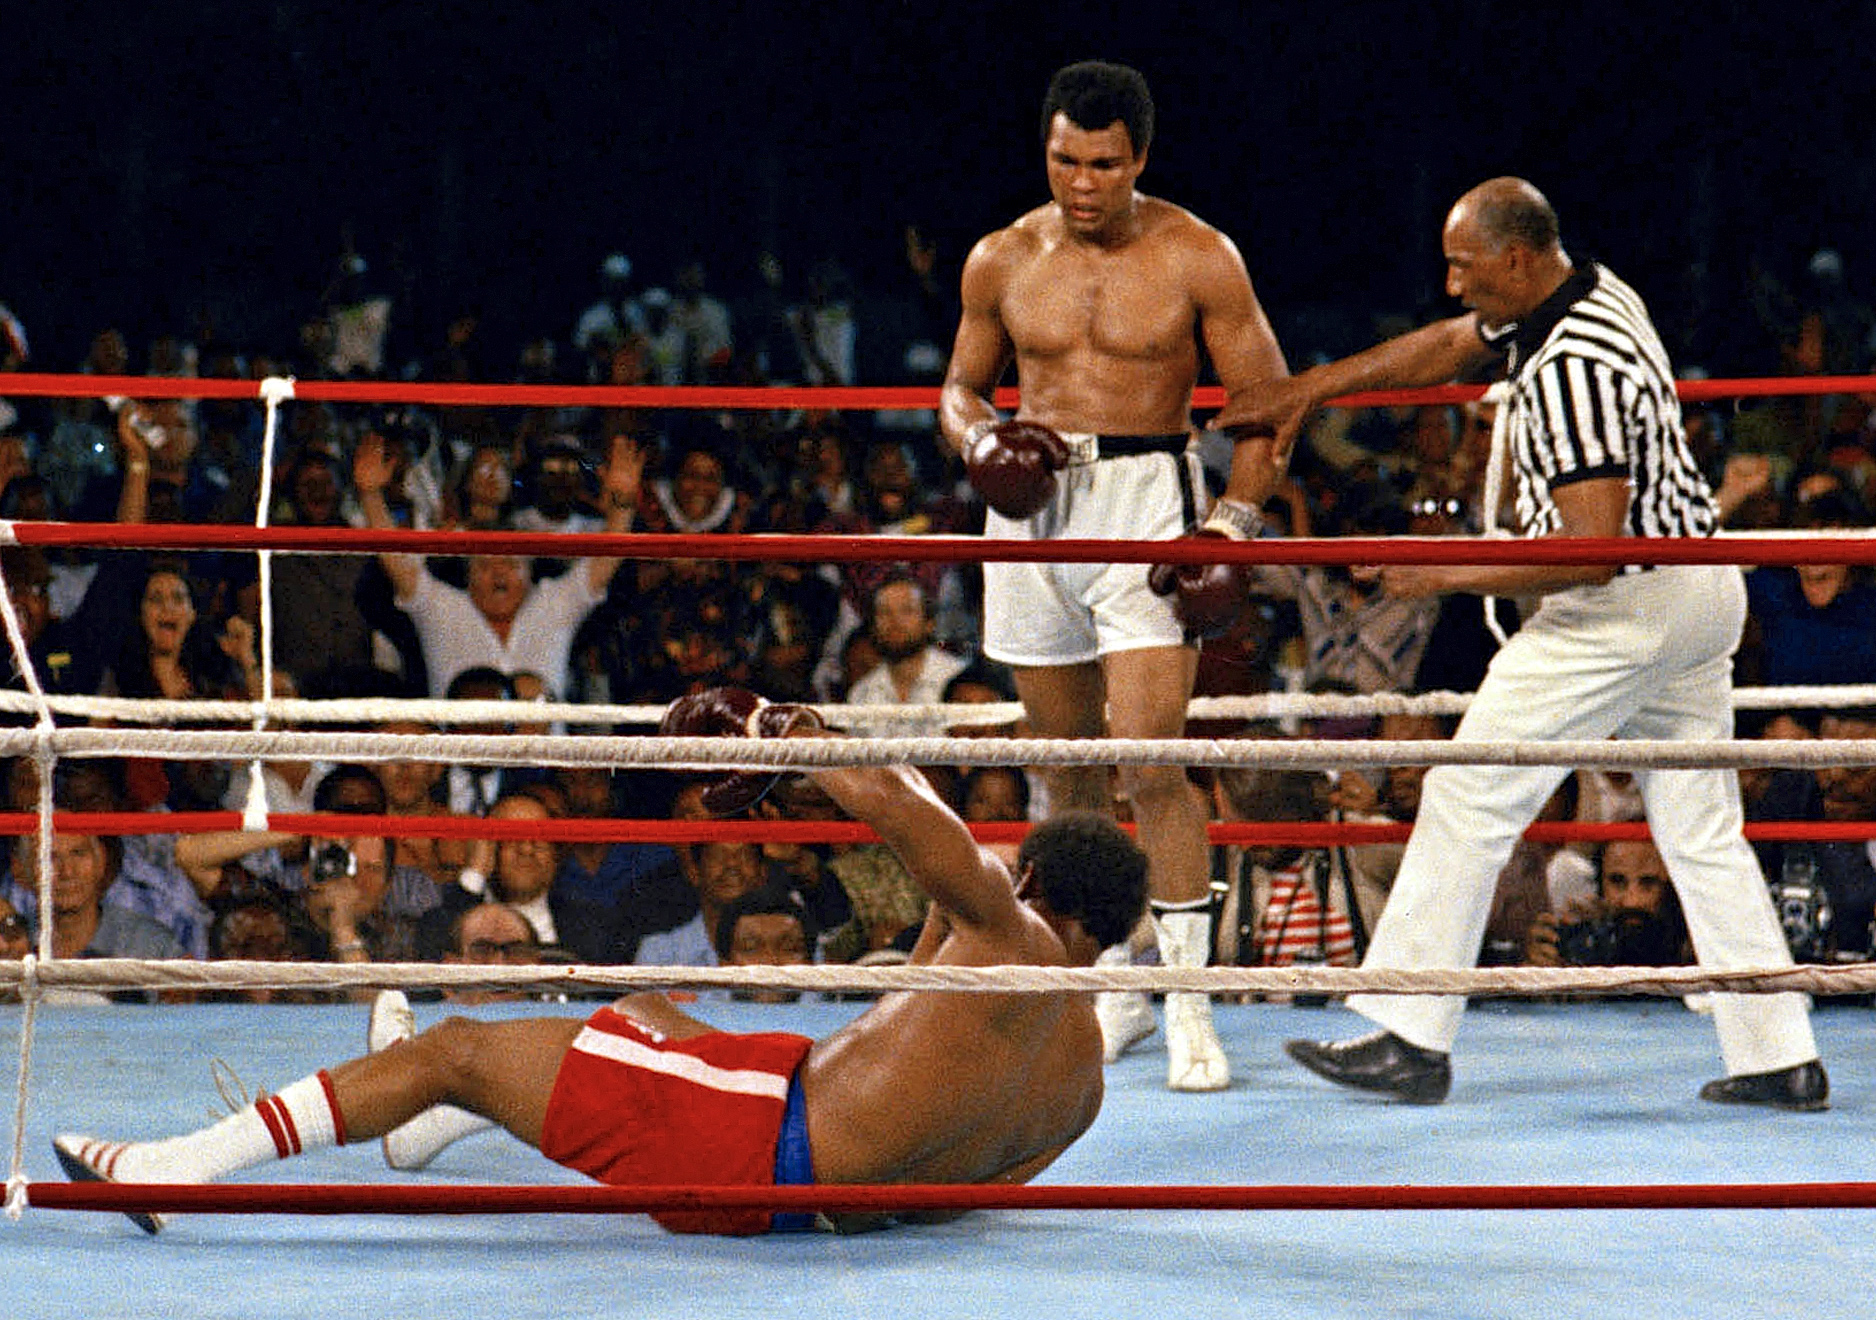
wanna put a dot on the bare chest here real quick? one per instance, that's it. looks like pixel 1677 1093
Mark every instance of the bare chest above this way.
pixel 1133 304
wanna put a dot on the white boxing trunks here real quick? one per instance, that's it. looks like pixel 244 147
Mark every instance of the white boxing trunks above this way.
pixel 1065 614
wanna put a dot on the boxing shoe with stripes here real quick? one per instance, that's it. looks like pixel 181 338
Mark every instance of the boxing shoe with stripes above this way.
pixel 86 1159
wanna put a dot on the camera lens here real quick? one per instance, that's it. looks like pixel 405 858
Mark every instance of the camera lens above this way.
pixel 331 861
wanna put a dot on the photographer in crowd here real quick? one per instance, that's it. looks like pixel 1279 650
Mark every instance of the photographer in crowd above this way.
pixel 369 908
pixel 362 903
pixel 1634 919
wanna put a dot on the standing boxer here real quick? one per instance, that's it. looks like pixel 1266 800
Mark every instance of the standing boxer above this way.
pixel 1101 297
pixel 1593 429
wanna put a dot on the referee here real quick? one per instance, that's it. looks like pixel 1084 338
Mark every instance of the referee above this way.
pixel 1591 430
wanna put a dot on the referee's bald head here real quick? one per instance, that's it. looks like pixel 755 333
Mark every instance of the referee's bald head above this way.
pixel 1512 210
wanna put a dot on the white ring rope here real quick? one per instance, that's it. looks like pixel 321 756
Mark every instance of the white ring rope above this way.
pixel 375 710
pixel 41 752
pixel 101 974
pixel 820 754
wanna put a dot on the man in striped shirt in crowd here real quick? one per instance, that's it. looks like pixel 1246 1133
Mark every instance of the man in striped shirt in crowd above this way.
pixel 1591 428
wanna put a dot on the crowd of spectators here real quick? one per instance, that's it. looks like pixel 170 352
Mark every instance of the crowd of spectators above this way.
pixel 598 630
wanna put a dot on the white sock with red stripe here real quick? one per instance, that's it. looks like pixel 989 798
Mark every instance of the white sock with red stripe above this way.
pixel 302 1117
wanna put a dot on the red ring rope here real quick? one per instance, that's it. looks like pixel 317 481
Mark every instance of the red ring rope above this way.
pixel 420 1199
pixel 1297 834
pixel 1781 550
pixel 46 384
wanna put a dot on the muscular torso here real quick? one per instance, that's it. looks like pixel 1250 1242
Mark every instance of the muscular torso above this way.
pixel 932 1087
pixel 1105 338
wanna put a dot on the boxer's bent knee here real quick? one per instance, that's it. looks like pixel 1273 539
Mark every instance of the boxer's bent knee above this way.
pixel 453 1049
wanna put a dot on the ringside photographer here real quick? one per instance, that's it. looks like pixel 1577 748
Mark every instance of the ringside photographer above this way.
pixel 1633 920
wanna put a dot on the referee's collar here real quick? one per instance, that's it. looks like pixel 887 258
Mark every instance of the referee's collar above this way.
pixel 1520 339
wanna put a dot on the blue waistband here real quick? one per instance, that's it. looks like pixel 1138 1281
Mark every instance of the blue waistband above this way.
pixel 794 1161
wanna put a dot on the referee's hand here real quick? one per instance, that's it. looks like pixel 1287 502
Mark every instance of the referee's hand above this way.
pixel 1405 581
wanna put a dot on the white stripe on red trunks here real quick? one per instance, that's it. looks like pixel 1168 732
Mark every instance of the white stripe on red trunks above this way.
pixel 688 1067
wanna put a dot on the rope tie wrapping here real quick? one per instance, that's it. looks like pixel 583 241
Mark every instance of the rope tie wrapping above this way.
pixel 30 994
pixel 275 390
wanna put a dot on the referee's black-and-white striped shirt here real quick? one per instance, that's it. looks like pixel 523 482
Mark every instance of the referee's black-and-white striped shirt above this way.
pixel 1592 395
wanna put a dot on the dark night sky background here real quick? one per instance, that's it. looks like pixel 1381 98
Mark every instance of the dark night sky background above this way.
pixel 209 154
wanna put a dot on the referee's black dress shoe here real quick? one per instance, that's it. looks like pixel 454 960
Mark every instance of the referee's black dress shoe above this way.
pixel 1802 1087
pixel 1379 1061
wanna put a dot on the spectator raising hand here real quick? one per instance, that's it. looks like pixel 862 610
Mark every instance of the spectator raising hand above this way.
pixel 236 641
pixel 621 477
pixel 503 619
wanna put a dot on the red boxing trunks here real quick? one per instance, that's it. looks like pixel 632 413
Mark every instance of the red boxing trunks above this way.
pixel 632 1108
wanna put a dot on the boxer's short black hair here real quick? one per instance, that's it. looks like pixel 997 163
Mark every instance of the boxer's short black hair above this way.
pixel 1093 94
pixel 1089 869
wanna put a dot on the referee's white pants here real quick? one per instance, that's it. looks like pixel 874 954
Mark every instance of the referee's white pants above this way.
pixel 1646 656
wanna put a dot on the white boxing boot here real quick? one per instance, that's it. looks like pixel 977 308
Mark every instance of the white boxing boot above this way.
pixel 423 1138
pixel 1195 1058
pixel 1126 1016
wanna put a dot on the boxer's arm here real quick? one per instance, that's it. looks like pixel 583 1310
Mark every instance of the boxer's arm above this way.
pixel 1244 352
pixel 982 349
pixel 931 936
pixel 1237 333
pixel 965 879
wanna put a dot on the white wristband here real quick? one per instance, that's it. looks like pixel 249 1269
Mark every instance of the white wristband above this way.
pixel 472 879
pixel 752 726
pixel 1239 521
pixel 974 436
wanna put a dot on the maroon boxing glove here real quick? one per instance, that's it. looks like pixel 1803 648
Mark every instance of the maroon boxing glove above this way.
pixel 1013 465
pixel 730 712
pixel 1209 597
pixel 716 713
